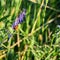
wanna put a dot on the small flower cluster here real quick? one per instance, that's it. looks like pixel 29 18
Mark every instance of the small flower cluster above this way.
pixel 19 19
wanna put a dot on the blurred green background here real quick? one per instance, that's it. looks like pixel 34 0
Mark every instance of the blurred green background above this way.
pixel 38 37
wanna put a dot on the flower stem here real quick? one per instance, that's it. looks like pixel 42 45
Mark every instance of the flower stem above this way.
pixel 18 38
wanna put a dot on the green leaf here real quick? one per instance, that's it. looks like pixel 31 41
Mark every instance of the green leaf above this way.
pixel 2 25
pixel 10 29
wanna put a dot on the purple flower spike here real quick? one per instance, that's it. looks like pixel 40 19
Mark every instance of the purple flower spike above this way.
pixel 22 16
pixel 15 23
pixel 19 19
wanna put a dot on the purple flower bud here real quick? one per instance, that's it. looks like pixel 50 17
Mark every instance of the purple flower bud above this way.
pixel 19 19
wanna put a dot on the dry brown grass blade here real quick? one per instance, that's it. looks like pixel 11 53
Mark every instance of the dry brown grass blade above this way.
pixel 39 12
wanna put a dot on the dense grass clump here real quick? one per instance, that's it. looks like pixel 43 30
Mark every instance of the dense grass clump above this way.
pixel 29 29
